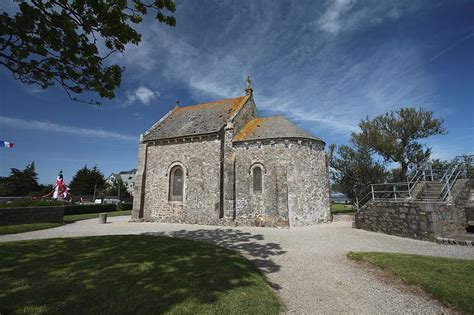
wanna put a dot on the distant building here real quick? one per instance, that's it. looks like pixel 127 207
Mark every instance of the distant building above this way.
pixel 127 179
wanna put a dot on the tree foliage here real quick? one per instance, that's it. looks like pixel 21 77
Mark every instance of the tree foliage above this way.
pixel 86 180
pixel 353 169
pixel 388 138
pixel 20 182
pixel 117 188
pixel 67 42
pixel 395 136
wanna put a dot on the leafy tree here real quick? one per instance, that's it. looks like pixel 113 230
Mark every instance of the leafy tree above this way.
pixel 394 136
pixel 85 180
pixel 48 42
pixel 20 182
pixel 117 188
pixel 352 170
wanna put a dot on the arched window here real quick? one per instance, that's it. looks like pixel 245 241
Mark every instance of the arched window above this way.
pixel 257 179
pixel 176 183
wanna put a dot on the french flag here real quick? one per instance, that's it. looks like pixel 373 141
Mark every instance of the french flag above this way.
pixel 4 144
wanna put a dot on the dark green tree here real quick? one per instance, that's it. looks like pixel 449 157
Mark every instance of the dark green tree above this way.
pixel 48 42
pixel 20 182
pixel 86 180
pixel 117 188
pixel 395 137
pixel 352 170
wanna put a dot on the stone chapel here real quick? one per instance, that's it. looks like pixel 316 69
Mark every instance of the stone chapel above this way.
pixel 219 163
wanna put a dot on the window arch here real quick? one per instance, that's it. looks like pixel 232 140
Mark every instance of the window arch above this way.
pixel 257 179
pixel 176 185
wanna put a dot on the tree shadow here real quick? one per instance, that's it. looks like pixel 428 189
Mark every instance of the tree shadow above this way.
pixel 138 274
pixel 248 244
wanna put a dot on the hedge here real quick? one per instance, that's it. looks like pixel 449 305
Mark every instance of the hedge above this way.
pixel 30 203
pixel 124 206
pixel 94 208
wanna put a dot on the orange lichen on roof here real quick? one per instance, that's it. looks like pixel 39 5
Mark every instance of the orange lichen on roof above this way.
pixel 238 105
pixel 248 128
pixel 234 101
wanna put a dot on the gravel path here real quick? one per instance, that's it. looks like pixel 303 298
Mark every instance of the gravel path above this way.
pixel 307 265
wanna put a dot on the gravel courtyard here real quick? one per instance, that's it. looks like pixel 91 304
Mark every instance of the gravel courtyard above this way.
pixel 308 266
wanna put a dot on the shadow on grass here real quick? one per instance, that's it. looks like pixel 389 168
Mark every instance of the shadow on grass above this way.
pixel 137 274
pixel 248 244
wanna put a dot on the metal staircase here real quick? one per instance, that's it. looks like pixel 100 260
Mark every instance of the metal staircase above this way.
pixel 426 184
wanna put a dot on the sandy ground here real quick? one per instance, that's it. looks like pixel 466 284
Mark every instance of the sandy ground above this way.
pixel 308 266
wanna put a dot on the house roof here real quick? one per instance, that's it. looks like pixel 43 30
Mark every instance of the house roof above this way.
pixel 273 127
pixel 197 119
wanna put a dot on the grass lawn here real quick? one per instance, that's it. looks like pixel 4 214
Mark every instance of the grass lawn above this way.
pixel 341 208
pixel 20 228
pixel 77 217
pixel 129 274
pixel 448 280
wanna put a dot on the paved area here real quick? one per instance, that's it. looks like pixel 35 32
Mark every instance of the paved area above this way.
pixel 307 265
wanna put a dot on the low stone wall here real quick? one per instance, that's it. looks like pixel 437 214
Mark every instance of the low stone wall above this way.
pixel 413 219
pixel 10 216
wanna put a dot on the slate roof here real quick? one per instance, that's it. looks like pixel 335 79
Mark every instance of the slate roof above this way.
pixel 274 127
pixel 197 119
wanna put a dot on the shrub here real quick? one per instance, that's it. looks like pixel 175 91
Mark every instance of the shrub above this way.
pixel 94 208
pixel 124 206
pixel 31 203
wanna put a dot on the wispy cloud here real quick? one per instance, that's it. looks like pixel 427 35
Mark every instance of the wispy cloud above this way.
pixel 331 20
pixel 450 47
pixel 142 94
pixel 63 129
pixel 324 82
pixel 349 15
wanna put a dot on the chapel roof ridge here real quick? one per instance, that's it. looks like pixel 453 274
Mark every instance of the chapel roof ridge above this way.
pixel 233 100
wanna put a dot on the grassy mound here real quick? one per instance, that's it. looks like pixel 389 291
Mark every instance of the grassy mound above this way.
pixel 21 228
pixel 133 274
pixel 449 280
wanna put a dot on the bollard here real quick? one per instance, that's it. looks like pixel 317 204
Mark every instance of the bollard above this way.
pixel 103 218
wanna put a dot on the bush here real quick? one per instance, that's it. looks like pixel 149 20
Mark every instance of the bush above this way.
pixel 94 208
pixel 125 206
pixel 31 203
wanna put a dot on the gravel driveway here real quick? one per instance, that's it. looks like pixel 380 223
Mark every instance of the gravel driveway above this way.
pixel 307 265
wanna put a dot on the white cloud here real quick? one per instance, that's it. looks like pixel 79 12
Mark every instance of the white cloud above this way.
pixel 142 94
pixel 63 129
pixel 325 83
pixel 349 15
pixel 330 21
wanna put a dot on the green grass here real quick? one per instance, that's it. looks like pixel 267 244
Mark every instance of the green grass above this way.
pixel 129 274
pixel 341 208
pixel 448 280
pixel 77 217
pixel 21 228
pixel 31 203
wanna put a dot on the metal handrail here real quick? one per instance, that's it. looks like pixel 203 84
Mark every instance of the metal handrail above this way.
pixel 459 165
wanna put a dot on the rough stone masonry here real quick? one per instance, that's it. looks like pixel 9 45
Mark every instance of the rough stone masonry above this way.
pixel 219 163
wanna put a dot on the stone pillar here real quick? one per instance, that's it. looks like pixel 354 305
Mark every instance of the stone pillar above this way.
pixel 229 172
pixel 139 182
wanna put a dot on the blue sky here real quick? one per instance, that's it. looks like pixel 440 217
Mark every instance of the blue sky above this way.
pixel 324 64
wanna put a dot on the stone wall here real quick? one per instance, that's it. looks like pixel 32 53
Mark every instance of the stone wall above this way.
pixel 26 215
pixel 246 113
pixel 414 219
pixel 295 183
pixel 139 183
pixel 200 160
